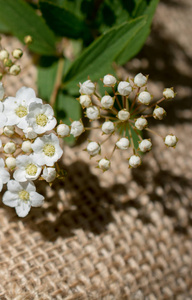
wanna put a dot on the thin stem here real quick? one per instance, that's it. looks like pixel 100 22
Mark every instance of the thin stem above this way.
pixel 106 139
pixel 152 131
pixel 90 128
pixel 116 98
pixel 136 131
pixel 57 83
pixel 108 117
pixel 131 138
pixel 133 103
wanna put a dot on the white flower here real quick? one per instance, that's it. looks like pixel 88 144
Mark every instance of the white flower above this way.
pixel 123 143
pixel 145 145
pixel 140 80
pixel 41 117
pixel 108 127
pixel 104 164
pixel 63 130
pixel 159 113
pixel 87 88
pixel 144 97
pixel 92 113
pixel 107 101
pixel 141 123
pixel 85 100
pixel 170 140
pixel 14 70
pixel 77 128
pixel 124 88
pixel 10 147
pixel 10 162
pixel 16 108
pixel 109 80
pixel 3 118
pixel 22 195
pixel 4 54
pixel 134 161
pixel 46 150
pixel 49 174
pixel 4 174
pixel 27 168
pixel 26 146
pixel 93 148
pixel 30 133
pixel 2 91
pixel 169 93
pixel 9 130
pixel 123 115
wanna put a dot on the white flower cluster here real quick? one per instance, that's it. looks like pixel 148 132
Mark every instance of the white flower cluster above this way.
pixel 125 108
pixel 31 150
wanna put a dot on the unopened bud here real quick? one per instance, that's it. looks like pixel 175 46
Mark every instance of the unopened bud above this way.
pixel 134 161
pixel 7 62
pixel 14 70
pixel 109 80
pixel 9 130
pixel 104 164
pixel 92 112
pixel 107 101
pixel 87 88
pixel 77 128
pixel 85 100
pixel 49 174
pixel 123 115
pixel 17 53
pixel 145 145
pixel 169 93
pixel 93 148
pixel 28 39
pixel 4 54
pixel 108 127
pixel 124 88
pixel 145 97
pixel 123 143
pixel 26 146
pixel 10 147
pixel 140 80
pixel 171 140
pixel 141 123
pixel 63 130
pixel 10 162
pixel 159 113
pixel 30 133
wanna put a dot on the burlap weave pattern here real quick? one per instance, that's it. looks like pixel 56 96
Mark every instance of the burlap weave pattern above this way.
pixel 119 235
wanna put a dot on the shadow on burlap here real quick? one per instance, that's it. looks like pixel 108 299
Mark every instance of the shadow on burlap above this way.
pixel 122 234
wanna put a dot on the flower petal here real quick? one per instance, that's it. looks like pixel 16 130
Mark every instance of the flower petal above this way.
pixel 25 93
pixel 10 199
pixel 23 209
pixel 36 199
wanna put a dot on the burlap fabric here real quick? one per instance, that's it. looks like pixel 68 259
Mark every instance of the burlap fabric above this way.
pixel 122 234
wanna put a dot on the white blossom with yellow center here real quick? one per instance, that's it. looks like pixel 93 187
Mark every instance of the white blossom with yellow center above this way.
pixel 27 168
pixel 22 195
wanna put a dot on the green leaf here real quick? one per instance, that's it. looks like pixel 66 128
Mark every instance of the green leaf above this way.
pixel 131 50
pixel 62 21
pixel 22 20
pixel 97 58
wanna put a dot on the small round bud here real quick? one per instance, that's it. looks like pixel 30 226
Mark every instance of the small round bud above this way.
pixel 141 123
pixel 170 140
pixel 140 80
pixel 134 161
pixel 123 143
pixel 17 53
pixel 26 146
pixel 108 127
pixel 145 145
pixel 109 80
pixel 123 115
pixel 28 39
pixel 63 130
pixel 85 100
pixel 92 113
pixel 87 88
pixel 49 174
pixel 159 113
pixel 93 148
pixel 77 128
pixel 14 70
pixel 144 97
pixel 30 133
pixel 124 88
pixel 107 101
pixel 10 147
pixel 169 93
pixel 10 162
pixel 9 130
pixel 104 164
pixel 4 54
pixel 2 91
pixel 7 62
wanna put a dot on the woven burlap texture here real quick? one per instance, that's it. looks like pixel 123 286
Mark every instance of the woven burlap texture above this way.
pixel 123 234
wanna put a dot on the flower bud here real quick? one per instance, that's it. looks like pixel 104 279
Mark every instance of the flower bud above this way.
pixel 144 97
pixel 123 143
pixel 141 123
pixel 124 88
pixel 104 164
pixel 93 148
pixel 123 115
pixel 14 70
pixel 30 133
pixel 49 174
pixel 170 140
pixel 134 161
pixel 159 113
pixel 10 147
pixel 10 162
pixel 145 145
pixel 2 91
pixel 108 127
pixel 77 128
pixel 4 54
pixel 63 130
pixel 28 39
pixel 109 80
pixel 87 88
pixel 7 62
pixel 92 113
pixel 17 53
pixel 9 130
pixel 85 100
pixel 140 80
pixel 26 146
pixel 107 101
pixel 169 93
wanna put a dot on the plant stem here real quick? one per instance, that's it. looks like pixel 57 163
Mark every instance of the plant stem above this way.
pixel 57 83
